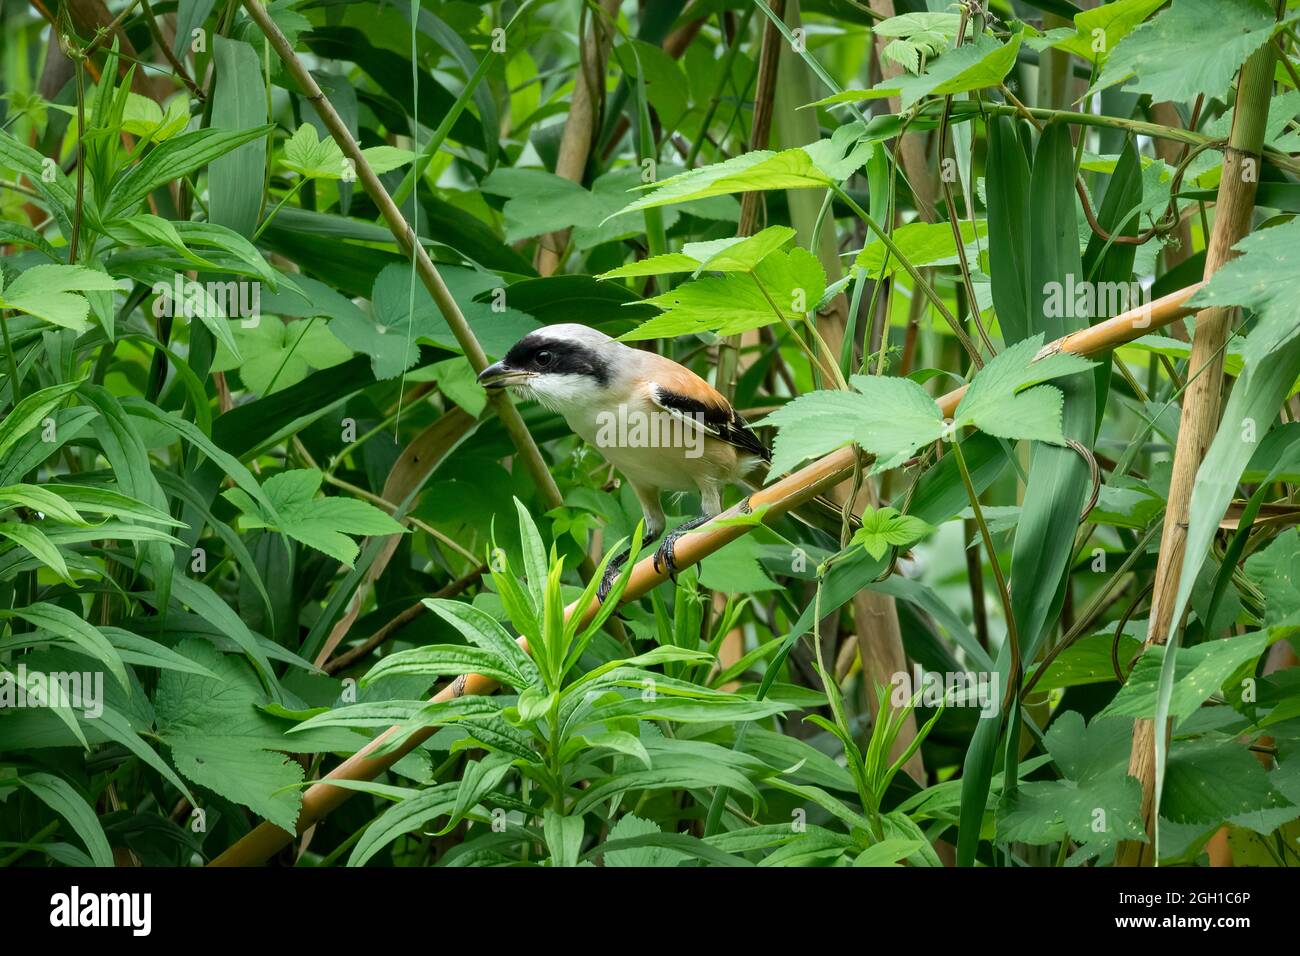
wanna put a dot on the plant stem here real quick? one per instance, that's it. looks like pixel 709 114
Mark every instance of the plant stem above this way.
pixel 1013 638
pixel 15 383
pixel 917 278
pixel 302 181
pixel 74 241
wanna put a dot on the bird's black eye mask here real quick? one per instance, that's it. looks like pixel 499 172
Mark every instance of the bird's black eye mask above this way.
pixel 558 357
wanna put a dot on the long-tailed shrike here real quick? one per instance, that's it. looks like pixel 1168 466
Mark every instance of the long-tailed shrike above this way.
pixel 661 425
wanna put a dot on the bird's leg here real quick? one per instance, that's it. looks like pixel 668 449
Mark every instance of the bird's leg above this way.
pixel 711 502
pixel 667 549
pixel 654 526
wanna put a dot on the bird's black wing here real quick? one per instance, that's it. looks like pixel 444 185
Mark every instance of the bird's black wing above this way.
pixel 720 420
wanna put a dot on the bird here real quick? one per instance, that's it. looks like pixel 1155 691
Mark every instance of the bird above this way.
pixel 663 427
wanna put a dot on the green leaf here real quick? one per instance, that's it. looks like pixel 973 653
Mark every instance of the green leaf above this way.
pixel 1193 47
pixel 1095 802
pixel 972 66
pixel 308 155
pixel 221 740
pixel 817 165
pixel 34 542
pixel 1097 31
pixel 1270 360
pixel 30 412
pixel 235 178
pixel 480 628
pixel 446 660
pixel 1276 572
pixel 917 36
pixel 176 157
pixel 403 817
pixel 883 528
pixel 74 629
pixel 57 794
pixel 261 780
pixel 145 118
pixel 783 284
pixel 629 827
pixel 391 334
pixel 563 837
pixel 1006 187
pixel 48 292
pixel 1209 781
pixel 889 417
pixel 923 243
pixel 279 354
pixel 1001 401
pixel 1264 278
pixel 320 523
pixel 1198 672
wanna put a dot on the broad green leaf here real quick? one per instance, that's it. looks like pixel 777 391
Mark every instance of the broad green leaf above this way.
pixel 1198 672
pixel 308 155
pixel 240 100
pixel 563 837
pixel 1208 781
pixel 889 417
pixel 1097 31
pixel 632 826
pixel 1276 572
pixel 262 780
pixel 49 292
pixel 279 354
pixel 923 243
pixel 883 528
pixel 143 117
pixel 320 523
pixel 390 335
pixel 918 37
pixel 817 165
pixel 1001 400
pixel 972 66
pixel 1095 802
pixel 1193 47
pixel 783 285
pixel 222 740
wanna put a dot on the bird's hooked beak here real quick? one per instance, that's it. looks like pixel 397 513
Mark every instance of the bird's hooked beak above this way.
pixel 500 375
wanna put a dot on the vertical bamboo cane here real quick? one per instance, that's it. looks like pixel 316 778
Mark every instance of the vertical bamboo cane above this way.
pixel 1200 416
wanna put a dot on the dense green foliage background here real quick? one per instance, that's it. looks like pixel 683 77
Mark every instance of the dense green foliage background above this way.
pixel 249 485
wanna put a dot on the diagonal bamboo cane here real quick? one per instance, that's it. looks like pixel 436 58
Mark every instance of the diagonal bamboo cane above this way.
pixel 409 243
pixel 779 498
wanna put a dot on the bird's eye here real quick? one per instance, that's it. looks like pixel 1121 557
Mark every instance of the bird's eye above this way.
pixel 544 358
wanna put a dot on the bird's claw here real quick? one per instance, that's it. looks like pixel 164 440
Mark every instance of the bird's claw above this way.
pixel 667 555
pixel 612 572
